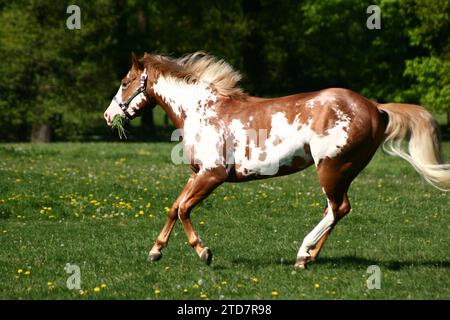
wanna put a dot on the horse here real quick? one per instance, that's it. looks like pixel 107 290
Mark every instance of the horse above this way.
pixel 230 136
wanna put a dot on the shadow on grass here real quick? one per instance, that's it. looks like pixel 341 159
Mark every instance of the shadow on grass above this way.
pixel 344 261
pixel 349 261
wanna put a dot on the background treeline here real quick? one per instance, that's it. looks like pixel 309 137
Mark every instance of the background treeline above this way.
pixel 55 83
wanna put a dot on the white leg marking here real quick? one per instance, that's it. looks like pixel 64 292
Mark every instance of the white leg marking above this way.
pixel 314 236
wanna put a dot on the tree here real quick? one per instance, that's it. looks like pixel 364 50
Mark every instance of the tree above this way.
pixel 431 70
pixel 54 79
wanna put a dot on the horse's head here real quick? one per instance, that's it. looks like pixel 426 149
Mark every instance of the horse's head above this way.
pixel 132 95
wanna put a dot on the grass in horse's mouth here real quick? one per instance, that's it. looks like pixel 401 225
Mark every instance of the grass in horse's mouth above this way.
pixel 117 123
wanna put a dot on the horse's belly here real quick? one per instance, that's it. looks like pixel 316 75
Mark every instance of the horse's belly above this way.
pixel 273 161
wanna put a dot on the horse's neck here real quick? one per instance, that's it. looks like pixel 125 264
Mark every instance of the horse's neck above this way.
pixel 184 101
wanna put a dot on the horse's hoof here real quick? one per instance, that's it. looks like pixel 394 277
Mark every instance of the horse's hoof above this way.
pixel 154 256
pixel 302 263
pixel 302 266
pixel 206 256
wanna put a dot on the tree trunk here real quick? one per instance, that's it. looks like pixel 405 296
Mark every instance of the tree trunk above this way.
pixel 40 133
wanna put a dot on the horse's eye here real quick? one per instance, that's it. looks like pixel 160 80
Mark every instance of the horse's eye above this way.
pixel 127 81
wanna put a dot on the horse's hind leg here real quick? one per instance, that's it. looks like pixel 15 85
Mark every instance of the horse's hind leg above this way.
pixel 335 179
pixel 172 216
pixel 341 212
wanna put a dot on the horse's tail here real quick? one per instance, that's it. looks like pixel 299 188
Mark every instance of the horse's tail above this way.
pixel 414 124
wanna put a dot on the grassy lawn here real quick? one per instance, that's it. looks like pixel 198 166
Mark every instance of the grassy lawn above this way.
pixel 101 206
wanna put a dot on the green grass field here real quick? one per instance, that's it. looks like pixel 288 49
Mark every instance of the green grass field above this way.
pixel 101 206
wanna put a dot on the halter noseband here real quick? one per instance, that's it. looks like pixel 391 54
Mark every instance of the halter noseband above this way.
pixel 142 89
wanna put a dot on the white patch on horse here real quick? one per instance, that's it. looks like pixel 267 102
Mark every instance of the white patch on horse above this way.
pixel 183 96
pixel 314 236
pixel 322 99
pixel 114 108
pixel 330 144
pixel 203 141
pixel 284 143
pixel 134 105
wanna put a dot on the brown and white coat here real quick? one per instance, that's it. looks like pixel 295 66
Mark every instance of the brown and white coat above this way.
pixel 229 136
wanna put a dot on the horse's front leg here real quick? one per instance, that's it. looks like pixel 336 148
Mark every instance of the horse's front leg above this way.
pixel 203 184
pixel 172 216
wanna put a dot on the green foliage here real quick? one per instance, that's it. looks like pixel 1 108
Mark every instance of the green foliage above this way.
pixel 432 82
pixel 431 70
pixel 52 75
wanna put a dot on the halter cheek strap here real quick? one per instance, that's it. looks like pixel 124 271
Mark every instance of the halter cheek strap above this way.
pixel 142 89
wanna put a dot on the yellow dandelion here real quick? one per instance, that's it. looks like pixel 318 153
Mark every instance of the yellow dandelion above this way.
pixel 82 292
pixel 148 205
pixel 19 271
pixel 157 291
pixel 274 293
pixel 141 212
pixel 195 286
pixel 103 286
pixel 97 289
pixel 27 273
pixel 224 283
pixel 50 285
pixel 203 296
pixel 185 290
pixel 254 279
pixel 317 285
pixel 202 222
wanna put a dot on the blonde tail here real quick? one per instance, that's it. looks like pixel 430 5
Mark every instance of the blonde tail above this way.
pixel 414 123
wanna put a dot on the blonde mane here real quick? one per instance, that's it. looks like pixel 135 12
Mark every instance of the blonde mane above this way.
pixel 200 66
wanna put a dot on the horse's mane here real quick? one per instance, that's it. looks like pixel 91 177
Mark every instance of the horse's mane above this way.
pixel 199 66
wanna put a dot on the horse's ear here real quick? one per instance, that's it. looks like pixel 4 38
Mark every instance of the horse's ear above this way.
pixel 135 63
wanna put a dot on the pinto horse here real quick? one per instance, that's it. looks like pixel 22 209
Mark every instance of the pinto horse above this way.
pixel 229 136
